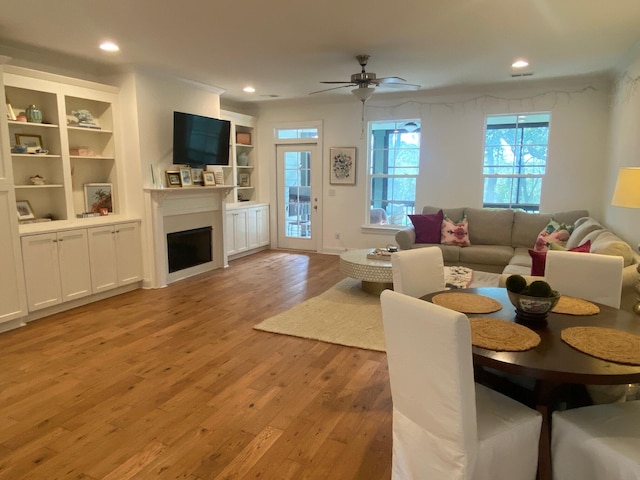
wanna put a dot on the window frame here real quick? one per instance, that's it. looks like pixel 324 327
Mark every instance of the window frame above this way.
pixel 370 176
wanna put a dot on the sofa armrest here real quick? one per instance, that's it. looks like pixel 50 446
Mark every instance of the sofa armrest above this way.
pixel 406 238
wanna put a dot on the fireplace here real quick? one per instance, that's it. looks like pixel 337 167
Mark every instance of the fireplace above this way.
pixel 189 248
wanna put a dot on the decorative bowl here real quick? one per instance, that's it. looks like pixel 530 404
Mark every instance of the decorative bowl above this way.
pixel 533 309
pixel 37 180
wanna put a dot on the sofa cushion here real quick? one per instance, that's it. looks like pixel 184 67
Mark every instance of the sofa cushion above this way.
pixel 490 226
pixel 455 232
pixel 486 254
pixel 570 216
pixel 539 259
pixel 427 227
pixel 583 227
pixel 608 243
pixel 454 213
pixel 527 226
pixel 554 232
pixel 450 253
pixel 521 257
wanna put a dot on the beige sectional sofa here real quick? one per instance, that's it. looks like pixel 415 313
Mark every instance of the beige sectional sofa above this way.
pixel 501 238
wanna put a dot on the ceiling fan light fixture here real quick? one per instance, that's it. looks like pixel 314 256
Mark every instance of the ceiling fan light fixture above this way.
pixel 363 93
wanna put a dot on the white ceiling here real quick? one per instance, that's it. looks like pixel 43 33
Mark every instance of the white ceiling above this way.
pixel 285 47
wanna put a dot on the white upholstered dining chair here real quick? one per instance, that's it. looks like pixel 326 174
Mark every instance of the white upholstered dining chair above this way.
pixel 418 272
pixel 446 427
pixel 597 442
pixel 591 276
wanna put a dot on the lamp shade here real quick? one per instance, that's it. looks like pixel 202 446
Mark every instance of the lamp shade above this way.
pixel 627 192
pixel 363 93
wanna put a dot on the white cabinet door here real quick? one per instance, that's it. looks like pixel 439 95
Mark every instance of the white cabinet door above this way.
pixel 41 270
pixel 262 225
pixel 102 254
pixel 252 228
pixel 12 295
pixel 128 252
pixel 73 258
pixel 237 231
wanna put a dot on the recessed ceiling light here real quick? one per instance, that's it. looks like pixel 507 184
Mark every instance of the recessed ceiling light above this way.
pixel 521 63
pixel 249 89
pixel 109 47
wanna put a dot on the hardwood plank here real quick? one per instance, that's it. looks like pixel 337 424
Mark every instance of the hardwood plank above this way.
pixel 176 383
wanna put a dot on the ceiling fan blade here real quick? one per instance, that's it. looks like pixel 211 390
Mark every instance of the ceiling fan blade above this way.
pixel 346 81
pixel 388 80
pixel 401 86
pixel 334 88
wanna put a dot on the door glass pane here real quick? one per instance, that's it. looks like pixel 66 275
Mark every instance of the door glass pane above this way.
pixel 298 194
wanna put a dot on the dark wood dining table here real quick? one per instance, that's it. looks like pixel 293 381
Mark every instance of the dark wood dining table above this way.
pixel 554 364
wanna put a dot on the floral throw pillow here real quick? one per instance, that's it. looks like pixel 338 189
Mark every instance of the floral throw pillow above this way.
pixel 554 232
pixel 455 233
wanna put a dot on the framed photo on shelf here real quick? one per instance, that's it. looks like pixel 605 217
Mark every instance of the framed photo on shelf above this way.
pixel 25 212
pixel 173 178
pixel 31 141
pixel 243 180
pixel 343 165
pixel 209 179
pixel 185 177
pixel 196 176
pixel 98 198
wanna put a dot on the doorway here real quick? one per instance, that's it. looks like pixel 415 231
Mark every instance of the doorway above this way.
pixel 299 170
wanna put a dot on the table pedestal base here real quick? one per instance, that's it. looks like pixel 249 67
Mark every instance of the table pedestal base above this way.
pixel 376 288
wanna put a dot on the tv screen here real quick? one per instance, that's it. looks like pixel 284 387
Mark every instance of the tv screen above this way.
pixel 199 140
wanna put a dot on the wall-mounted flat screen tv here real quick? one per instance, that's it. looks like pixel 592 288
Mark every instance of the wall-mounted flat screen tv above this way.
pixel 199 140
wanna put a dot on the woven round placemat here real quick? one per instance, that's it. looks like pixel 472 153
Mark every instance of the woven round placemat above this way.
pixel 575 306
pixel 502 335
pixel 467 302
pixel 604 343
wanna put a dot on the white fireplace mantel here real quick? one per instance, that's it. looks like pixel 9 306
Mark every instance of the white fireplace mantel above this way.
pixel 167 207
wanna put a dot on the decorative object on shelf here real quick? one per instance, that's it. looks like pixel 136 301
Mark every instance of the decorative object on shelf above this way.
pixel 343 165
pixel 25 212
pixel 196 176
pixel 243 159
pixel 33 113
pixel 37 179
pixel 31 141
pixel 81 152
pixel 243 180
pixel 243 138
pixel 97 196
pixel 173 178
pixel 19 149
pixel 84 119
pixel 219 177
pixel 627 194
pixel 21 117
pixel 185 177
pixel 10 113
pixel 209 179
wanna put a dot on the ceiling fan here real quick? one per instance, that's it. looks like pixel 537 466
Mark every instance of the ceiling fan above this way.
pixel 367 81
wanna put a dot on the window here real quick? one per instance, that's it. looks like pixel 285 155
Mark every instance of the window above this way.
pixel 296 133
pixel 515 159
pixel 394 160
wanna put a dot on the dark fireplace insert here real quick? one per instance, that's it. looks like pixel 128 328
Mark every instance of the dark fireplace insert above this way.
pixel 189 248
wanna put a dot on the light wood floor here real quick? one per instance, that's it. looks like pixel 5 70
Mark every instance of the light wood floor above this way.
pixel 174 383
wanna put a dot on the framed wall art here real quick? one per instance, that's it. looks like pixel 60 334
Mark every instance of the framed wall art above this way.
pixel 185 177
pixel 25 212
pixel 31 141
pixel 209 179
pixel 243 180
pixel 196 176
pixel 343 165
pixel 173 178
pixel 98 198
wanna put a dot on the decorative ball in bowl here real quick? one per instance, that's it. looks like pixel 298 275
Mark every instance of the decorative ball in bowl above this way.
pixel 532 302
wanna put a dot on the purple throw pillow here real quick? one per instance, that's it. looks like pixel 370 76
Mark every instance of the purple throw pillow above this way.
pixel 427 227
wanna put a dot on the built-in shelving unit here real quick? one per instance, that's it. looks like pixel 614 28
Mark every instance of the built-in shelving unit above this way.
pixel 241 172
pixel 76 149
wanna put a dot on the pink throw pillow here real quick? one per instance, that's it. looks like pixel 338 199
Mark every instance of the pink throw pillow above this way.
pixel 427 227
pixel 554 232
pixel 539 259
pixel 455 233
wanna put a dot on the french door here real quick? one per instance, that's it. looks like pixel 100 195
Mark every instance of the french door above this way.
pixel 299 182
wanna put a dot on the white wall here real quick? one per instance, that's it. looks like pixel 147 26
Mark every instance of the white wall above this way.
pixel 452 148
pixel 625 149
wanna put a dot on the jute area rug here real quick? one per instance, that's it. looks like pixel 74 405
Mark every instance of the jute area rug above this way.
pixel 344 315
